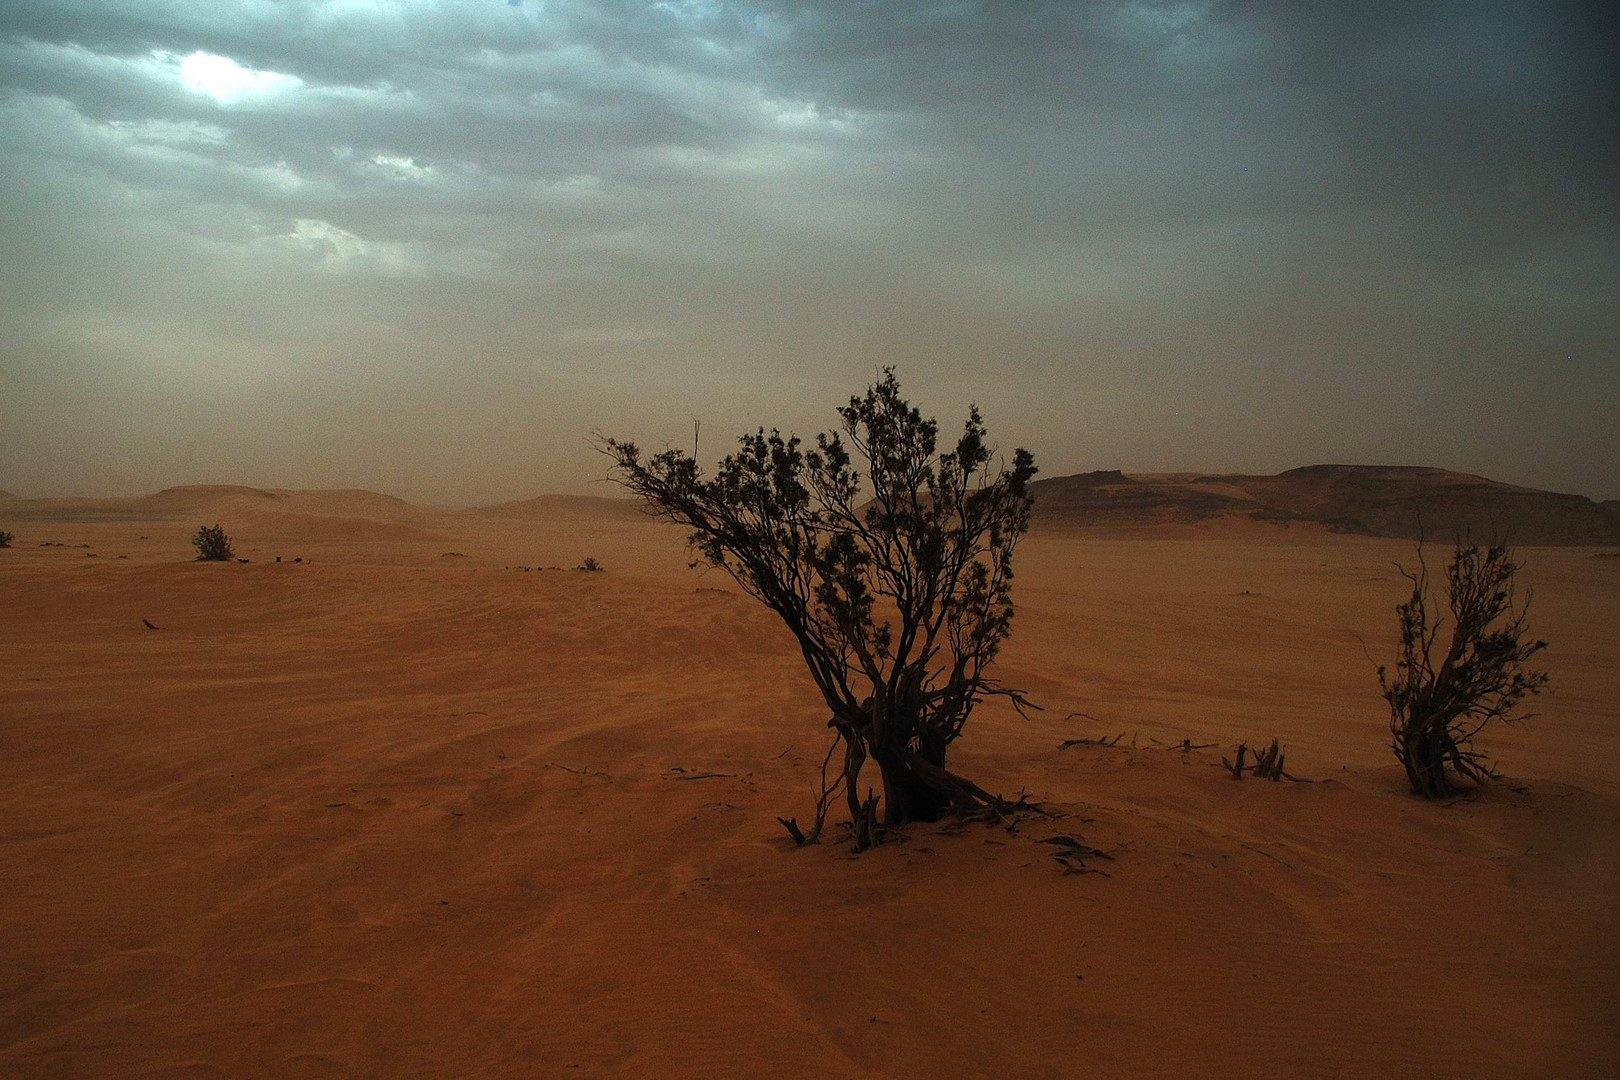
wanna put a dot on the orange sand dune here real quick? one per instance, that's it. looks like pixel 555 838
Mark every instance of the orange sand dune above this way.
pixel 397 812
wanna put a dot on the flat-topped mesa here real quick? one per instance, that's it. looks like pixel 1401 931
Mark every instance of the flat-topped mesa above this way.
pixel 1403 501
pixel 191 494
pixel 1100 478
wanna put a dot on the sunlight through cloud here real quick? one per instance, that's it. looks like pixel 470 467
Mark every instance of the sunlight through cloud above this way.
pixel 227 82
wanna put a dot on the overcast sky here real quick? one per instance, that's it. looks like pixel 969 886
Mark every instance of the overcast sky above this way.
pixel 428 247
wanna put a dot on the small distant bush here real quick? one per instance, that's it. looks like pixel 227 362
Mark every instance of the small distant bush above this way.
pixel 212 544
pixel 6 538
pixel 591 565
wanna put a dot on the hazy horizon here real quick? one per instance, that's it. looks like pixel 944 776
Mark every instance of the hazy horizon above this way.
pixel 426 249
pixel 602 488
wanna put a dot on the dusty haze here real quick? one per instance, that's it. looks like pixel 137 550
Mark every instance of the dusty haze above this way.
pixel 427 248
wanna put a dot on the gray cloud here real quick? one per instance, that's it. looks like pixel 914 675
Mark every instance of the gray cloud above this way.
pixel 428 246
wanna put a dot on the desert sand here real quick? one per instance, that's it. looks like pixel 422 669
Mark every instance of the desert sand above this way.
pixel 416 806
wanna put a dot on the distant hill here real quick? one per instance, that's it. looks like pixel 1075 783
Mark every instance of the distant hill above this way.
pixel 350 502
pixel 238 502
pixel 337 513
pixel 1370 500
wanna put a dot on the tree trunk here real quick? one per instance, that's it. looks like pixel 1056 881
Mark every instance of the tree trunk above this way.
pixel 854 759
pixel 906 795
pixel 1425 762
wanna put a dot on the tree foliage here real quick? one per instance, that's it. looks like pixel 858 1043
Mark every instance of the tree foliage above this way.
pixel 1440 700
pixel 212 544
pixel 896 582
pixel 6 538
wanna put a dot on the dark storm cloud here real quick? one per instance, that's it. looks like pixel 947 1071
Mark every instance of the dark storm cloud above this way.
pixel 1262 233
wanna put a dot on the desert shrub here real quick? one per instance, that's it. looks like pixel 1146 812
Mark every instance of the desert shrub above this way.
pixel 1440 700
pixel 6 538
pixel 896 584
pixel 590 565
pixel 212 544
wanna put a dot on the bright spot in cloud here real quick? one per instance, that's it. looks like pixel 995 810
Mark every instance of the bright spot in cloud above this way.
pixel 226 81
pixel 402 168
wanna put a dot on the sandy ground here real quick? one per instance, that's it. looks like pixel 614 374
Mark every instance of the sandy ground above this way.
pixel 394 812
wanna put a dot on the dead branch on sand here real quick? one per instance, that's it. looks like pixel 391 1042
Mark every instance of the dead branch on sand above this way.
pixel 1072 853
pixel 824 800
pixel 1186 746
pixel 685 775
pixel 1267 764
pixel 579 772
pixel 1100 741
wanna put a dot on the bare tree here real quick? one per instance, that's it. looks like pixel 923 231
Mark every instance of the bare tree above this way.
pixel 899 594
pixel 1439 701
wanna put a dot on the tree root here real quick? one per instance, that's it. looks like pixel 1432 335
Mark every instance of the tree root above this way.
pixel 792 826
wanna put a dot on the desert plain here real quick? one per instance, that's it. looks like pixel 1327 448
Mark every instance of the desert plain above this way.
pixel 428 802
